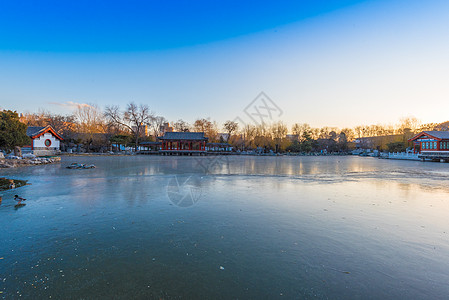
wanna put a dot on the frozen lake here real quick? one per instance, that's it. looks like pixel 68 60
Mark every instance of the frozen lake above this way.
pixel 152 227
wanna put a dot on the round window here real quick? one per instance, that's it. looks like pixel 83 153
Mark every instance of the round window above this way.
pixel 47 143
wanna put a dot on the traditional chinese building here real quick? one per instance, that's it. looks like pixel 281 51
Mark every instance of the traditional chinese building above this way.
pixel 431 145
pixel 183 143
pixel 149 147
pixel 45 141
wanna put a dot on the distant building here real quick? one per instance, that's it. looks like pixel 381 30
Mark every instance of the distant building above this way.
pixel 431 144
pixel 166 128
pixel 183 143
pixel 45 141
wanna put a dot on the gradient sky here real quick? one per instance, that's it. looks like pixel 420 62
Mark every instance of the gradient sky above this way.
pixel 334 63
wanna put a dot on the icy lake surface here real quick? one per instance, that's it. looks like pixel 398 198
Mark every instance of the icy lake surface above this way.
pixel 152 227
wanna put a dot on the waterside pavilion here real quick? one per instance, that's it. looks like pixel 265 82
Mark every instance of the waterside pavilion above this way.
pixel 219 148
pixel 432 145
pixel 183 143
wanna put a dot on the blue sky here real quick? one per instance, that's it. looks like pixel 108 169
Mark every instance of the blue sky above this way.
pixel 335 63
pixel 124 26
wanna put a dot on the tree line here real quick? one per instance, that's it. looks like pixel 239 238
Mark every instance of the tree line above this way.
pixel 95 129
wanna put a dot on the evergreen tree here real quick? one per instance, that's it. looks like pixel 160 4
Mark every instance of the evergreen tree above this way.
pixel 12 131
pixel 307 142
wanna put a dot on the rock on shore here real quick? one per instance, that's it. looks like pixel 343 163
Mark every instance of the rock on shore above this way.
pixel 12 163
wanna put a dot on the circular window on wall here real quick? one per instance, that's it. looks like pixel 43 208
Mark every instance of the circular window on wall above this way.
pixel 47 143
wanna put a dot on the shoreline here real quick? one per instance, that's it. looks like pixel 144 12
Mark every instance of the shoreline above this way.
pixel 207 154
pixel 24 162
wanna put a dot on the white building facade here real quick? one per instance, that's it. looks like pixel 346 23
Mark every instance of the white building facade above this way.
pixel 44 141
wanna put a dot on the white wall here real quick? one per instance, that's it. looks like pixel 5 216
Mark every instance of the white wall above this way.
pixel 39 143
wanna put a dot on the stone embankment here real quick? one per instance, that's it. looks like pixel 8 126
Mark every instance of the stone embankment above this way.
pixel 21 162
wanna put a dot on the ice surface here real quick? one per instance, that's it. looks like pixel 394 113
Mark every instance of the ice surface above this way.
pixel 158 227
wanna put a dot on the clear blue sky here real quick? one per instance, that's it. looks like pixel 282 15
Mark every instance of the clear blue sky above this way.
pixel 337 63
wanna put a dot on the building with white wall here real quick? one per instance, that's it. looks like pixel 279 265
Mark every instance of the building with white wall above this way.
pixel 45 141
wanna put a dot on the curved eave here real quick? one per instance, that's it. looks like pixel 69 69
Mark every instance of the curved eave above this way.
pixel 421 134
pixel 45 131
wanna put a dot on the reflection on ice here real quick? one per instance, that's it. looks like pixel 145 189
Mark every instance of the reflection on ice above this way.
pixel 162 227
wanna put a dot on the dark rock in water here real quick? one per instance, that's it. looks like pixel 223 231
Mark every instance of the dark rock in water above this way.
pixel 80 166
pixel 6 184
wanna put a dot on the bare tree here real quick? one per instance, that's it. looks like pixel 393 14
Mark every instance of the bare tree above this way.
pixel 157 125
pixel 348 133
pixel 90 125
pixel 209 128
pixel 262 136
pixel 64 125
pixel 410 123
pixel 89 118
pixel 181 126
pixel 230 127
pixel 201 125
pixel 134 118
pixel 278 131
pixel 300 129
pixel 249 133
pixel 429 126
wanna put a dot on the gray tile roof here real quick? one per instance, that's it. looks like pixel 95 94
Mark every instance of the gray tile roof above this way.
pixel 150 143
pixel 199 136
pixel 34 130
pixel 439 134
pixel 444 135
